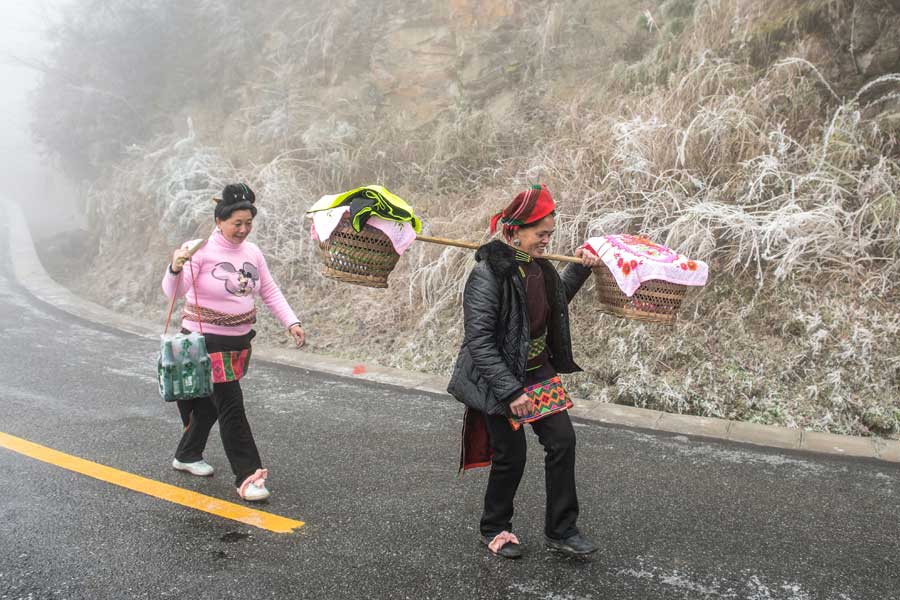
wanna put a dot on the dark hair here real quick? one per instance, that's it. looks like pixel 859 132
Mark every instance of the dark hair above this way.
pixel 235 196
pixel 509 231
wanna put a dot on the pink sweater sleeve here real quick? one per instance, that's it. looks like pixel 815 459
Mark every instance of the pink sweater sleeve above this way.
pixel 176 284
pixel 272 296
pixel 179 283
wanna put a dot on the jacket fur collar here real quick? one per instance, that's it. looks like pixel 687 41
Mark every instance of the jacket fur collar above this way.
pixel 499 256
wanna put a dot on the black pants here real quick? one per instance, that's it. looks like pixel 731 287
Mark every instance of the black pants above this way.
pixel 557 436
pixel 227 406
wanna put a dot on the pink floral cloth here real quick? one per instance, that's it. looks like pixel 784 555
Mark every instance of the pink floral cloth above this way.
pixel 633 260
pixel 402 235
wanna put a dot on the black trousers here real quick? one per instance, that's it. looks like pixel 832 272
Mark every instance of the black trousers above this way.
pixel 557 436
pixel 227 406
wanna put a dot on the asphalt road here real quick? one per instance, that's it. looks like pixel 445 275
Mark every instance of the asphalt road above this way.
pixel 371 470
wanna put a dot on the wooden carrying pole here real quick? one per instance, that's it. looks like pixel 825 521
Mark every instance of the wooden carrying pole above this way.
pixel 472 246
pixel 192 250
pixel 196 247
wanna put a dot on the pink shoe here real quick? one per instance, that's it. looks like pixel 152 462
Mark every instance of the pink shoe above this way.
pixel 254 487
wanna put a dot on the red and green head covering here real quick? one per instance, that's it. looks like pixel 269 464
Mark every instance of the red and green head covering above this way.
pixel 530 206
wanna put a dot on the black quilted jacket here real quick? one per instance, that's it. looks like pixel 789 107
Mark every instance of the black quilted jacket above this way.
pixel 490 368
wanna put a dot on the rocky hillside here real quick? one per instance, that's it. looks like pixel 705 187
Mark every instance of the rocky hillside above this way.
pixel 760 136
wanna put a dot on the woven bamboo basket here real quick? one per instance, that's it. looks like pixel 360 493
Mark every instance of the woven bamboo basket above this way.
pixel 363 258
pixel 655 301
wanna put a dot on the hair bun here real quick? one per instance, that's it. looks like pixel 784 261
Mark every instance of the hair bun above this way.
pixel 235 193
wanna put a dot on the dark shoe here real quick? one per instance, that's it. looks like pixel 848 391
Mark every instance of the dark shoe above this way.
pixel 576 545
pixel 509 547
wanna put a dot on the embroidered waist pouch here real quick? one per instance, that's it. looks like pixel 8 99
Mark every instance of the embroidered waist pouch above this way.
pixel 229 366
pixel 546 398
pixel 229 356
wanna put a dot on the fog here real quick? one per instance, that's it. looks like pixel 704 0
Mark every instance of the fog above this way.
pixel 755 136
pixel 27 177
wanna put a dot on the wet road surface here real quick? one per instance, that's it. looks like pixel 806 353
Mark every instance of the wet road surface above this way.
pixel 371 470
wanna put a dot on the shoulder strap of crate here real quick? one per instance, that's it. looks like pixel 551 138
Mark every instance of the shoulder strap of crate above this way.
pixel 196 301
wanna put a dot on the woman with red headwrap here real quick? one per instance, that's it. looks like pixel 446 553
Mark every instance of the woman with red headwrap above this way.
pixel 517 341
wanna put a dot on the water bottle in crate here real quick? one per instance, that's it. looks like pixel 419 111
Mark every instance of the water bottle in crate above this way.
pixel 184 367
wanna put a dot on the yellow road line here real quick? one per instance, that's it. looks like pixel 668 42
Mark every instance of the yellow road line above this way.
pixel 157 489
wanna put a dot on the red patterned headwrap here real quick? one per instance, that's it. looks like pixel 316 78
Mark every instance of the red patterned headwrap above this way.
pixel 530 206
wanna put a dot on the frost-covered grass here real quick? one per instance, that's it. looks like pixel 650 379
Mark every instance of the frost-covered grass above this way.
pixel 788 190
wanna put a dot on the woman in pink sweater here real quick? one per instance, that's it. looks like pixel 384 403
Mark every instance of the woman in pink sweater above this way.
pixel 220 282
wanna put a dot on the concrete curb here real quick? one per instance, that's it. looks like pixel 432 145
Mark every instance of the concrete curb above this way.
pixel 31 275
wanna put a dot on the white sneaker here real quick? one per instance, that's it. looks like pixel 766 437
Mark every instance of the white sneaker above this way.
pixel 254 487
pixel 201 468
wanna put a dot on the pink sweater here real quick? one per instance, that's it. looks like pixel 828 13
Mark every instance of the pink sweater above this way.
pixel 228 277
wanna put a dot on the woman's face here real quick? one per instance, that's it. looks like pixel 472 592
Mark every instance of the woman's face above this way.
pixel 236 227
pixel 535 238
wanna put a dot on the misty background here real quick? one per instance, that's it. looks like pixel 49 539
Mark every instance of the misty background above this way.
pixel 29 177
pixel 761 136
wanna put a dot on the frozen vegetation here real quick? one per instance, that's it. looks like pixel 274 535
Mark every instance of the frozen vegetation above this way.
pixel 759 136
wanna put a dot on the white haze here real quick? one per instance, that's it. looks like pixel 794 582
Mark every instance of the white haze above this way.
pixel 24 175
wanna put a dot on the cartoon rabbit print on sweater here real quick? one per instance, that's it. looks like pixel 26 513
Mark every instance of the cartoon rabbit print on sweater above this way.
pixel 240 282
